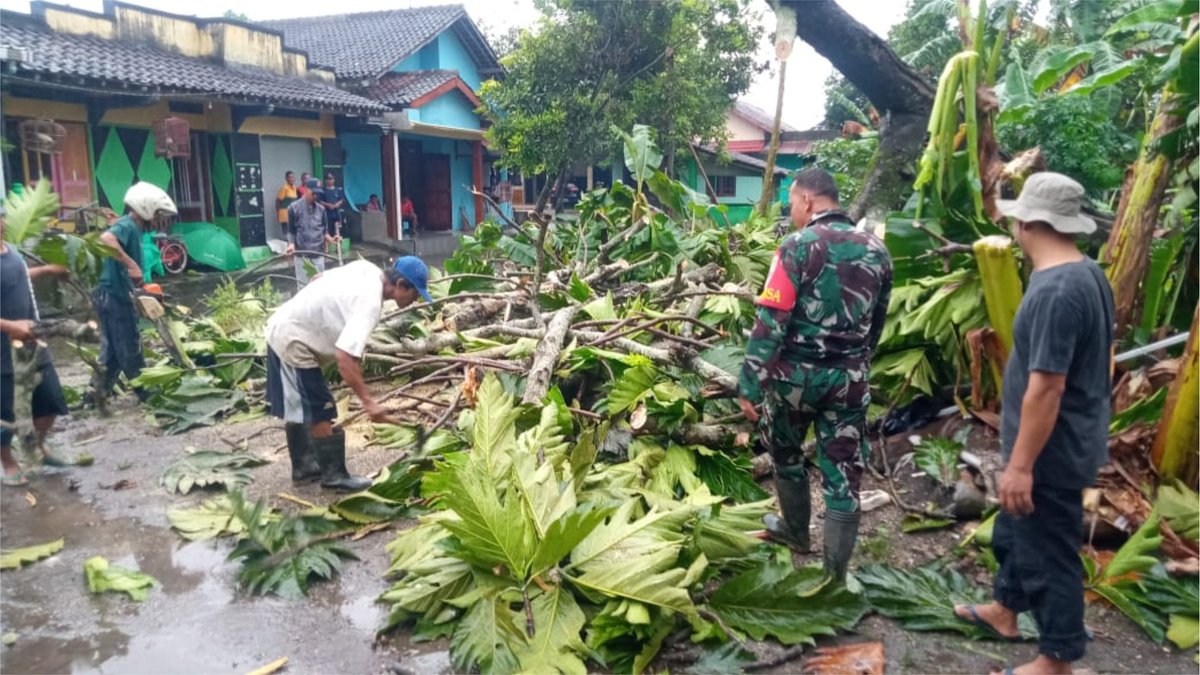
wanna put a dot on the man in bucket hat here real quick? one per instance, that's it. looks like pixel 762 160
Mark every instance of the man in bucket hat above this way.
pixel 330 321
pixel 1054 426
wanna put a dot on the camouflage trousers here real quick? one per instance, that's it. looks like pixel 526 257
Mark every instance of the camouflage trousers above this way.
pixel 834 401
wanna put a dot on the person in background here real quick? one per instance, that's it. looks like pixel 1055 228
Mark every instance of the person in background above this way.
pixel 18 321
pixel 408 215
pixel 503 194
pixel 120 343
pixel 284 198
pixel 330 320
pixel 820 316
pixel 307 232
pixel 333 199
pixel 1053 426
pixel 303 187
pixel 373 203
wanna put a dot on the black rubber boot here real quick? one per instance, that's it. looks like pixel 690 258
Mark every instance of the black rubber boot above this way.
pixel 331 455
pixel 841 533
pixel 795 504
pixel 304 461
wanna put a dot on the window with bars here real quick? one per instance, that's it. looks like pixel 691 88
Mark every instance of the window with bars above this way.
pixel 725 186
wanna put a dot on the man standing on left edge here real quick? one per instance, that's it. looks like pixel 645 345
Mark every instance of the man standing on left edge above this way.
pixel 820 316
pixel 120 342
pixel 307 233
pixel 330 320
pixel 18 321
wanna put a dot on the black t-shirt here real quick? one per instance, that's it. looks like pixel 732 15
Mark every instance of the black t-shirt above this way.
pixel 1064 326
pixel 16 300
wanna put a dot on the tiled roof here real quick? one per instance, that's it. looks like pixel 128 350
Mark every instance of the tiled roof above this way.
pixel 759 117
pixel 369 44
pixel 400 90
pixel 55 56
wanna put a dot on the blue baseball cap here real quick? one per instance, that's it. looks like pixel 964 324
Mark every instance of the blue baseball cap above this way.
pixel 416 272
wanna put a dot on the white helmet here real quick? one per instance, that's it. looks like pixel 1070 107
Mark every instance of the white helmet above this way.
pixel 147 199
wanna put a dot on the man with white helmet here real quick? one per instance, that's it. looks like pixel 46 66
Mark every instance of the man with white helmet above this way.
pixel 120 344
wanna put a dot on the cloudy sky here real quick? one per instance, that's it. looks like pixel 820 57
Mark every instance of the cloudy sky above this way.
pixel 803 106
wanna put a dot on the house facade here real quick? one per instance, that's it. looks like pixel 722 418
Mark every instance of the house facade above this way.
pixel 222 95
pixel 424 66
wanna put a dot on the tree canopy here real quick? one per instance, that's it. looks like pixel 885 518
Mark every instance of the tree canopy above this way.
pixel 674 65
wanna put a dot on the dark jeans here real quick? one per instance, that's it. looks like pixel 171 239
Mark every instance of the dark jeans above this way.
pixel 1040 569
pixel 120 342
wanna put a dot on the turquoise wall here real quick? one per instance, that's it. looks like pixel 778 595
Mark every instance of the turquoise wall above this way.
pixel 453 56
pixel 363 171
pixel 451 109
pixel 444 53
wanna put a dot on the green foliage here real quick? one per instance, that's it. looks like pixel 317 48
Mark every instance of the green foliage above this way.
pixel 211 519
pixel 1078 137
pixel 1179 505
pixel 849 160
pixel 17 557
pixel 103 577
pixel 280 555
pixel 235 311
pixel 27 219
pixel 938 458
pixel 207 468
pixel 389 498
pixel 923 599
pixel 791 605
pixel 680 65
pixel 27 213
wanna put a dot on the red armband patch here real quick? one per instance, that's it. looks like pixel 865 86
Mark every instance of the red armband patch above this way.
pixel 779 291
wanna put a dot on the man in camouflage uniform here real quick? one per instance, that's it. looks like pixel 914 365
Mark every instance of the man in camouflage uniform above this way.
pixel 820 315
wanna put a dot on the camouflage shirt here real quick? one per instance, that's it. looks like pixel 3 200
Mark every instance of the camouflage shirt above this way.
pixel 823 304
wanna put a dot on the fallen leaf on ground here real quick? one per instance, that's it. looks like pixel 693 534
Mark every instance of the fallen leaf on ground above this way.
pixel 864 658
pixel 270 667
pixel 31 499
pixel 19 556
pixel 9 639
pixel 101 577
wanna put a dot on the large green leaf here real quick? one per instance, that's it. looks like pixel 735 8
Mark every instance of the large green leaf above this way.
pixel 726 534
pixel 212 518
pixel 495 430
pixel 431 577
pixel 1180 506
pixel 938 458
pixel 1054 63
pixel 103 577
pixel 494 529
pixel 1134 555
pixel 923 599
pixel 1015 95
pixel 651 579
pixel 207 468
pixel 485 638
pixel 728 476
pixel 564 534
pixel 1105 78
pixel 642 156
pixel 633 385
pixel 556 645
pixel 11 560
pixel 1150 14
pixel 27 212
pixel 791 605
pixel 387 499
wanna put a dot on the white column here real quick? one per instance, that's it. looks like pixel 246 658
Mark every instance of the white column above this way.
pixel 398 198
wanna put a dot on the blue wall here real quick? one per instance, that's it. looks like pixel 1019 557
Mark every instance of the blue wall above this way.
pixel 451 109
pixel 444 53
pixel 363 171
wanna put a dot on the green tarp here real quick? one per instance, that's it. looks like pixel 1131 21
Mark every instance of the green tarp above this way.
pixel 210 245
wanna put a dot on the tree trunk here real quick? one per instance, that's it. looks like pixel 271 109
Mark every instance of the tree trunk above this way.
pixel 768 189
pixel 1175 446
pixel 902 96
pixel 1128 249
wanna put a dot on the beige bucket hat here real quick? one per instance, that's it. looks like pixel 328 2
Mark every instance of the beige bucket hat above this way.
pixel 1051 198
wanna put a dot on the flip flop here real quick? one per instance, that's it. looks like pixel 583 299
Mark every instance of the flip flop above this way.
pixel 976 620
pixel 14 479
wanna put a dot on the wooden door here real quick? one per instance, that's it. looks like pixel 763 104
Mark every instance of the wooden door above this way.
pixel 72 169
pixel 439 214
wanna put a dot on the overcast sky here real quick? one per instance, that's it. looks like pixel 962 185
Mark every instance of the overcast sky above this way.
pixel 804 100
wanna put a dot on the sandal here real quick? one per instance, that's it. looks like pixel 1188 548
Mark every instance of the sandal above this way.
pixel 14 479
pixel 50 458
pixel 975 620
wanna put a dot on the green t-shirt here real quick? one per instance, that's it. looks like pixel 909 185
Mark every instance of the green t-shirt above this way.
pixel 114 278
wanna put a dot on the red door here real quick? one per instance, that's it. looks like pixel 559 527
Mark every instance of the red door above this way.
pixel 439 214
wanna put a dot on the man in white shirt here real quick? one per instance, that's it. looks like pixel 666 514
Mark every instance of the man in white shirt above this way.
pixel 330 320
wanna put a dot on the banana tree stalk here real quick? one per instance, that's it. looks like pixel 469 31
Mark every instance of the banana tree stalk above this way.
pixel 1175 453
pixel 1001 285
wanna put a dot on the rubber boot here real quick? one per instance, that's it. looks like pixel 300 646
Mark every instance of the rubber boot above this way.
pixel 331 455
pixel 841 533
pixel 304 461
pixel 795 504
